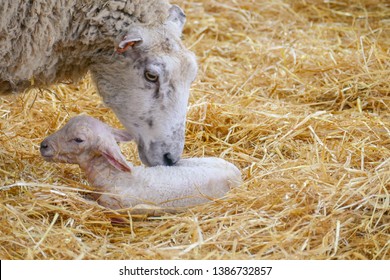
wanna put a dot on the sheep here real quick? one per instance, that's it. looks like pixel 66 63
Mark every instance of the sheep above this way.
pixel 92 145
pixel 132 49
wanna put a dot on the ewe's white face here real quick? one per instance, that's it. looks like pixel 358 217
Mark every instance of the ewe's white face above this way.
pixel 147 86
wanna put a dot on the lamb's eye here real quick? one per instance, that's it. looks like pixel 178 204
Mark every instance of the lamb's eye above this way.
pixel 151 77
pixel 78 140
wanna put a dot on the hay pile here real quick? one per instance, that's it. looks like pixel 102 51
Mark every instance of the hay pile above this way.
pixel 295 93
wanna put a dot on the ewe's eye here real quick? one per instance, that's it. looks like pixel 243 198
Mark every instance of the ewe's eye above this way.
pixel 78 140
pixel 151 77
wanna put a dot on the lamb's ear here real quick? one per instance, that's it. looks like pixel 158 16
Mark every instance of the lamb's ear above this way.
pixel 121 135
pixel 129 40
pixel 177 17
pixel 114 156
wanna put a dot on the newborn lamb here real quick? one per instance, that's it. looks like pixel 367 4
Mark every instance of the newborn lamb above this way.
pixel 93 145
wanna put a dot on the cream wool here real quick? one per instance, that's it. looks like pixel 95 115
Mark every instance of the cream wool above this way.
pixel 56 40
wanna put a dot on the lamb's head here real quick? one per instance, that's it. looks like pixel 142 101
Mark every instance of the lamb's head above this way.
pixel 147 86
pixel 84 138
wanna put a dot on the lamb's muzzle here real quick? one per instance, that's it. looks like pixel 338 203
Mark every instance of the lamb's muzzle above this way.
pixel 46 150
pixel 93 145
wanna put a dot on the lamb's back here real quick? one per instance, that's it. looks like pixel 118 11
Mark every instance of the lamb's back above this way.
pixel 190 182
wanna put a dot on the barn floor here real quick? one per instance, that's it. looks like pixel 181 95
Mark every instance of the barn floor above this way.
pixel 295 93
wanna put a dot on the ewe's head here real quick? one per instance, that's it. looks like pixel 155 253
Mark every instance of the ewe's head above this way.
pixel 147 86
pixel 82 139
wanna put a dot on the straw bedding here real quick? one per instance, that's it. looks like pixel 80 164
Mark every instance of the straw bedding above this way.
pixel 295 93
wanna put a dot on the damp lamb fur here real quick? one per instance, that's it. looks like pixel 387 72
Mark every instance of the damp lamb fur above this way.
pixel 93 145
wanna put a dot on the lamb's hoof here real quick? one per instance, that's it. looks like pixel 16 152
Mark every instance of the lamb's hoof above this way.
pixel 117 221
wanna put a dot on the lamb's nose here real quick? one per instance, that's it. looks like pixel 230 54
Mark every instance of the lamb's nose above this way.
pixel 44 145
pixel 45 149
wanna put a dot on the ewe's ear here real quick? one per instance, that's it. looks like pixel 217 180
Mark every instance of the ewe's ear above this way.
pixel 110 150
pixel 177 17
pixel 129 40
pixel 121 135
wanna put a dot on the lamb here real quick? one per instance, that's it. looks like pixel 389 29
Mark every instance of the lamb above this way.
pixel 132 49
pixel 93 145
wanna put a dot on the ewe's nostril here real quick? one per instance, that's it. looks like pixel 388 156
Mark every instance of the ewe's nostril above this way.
pixel 168 160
